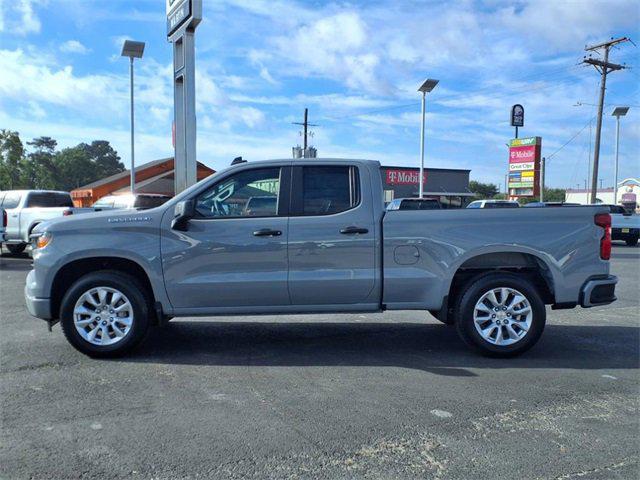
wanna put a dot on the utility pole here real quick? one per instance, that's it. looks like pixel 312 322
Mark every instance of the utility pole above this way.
pixel 306 126
pixel 604 67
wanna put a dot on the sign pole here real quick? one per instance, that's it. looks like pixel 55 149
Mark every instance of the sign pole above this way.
pixel 542 167
pixel 183 16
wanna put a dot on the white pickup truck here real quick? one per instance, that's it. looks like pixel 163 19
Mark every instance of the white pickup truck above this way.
pixel 27 208
pixel 625 225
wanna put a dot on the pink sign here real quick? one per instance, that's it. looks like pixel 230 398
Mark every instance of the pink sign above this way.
pixel 405 177
pixel 522 154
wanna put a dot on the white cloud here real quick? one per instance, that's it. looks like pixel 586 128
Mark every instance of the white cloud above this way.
pixel 29 22
pixel 334 46
pixel 18 17
pixel 74 46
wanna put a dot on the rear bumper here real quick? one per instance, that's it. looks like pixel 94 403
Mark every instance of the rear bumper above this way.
pixel 619 234
pixel 37 306
pixel 598 291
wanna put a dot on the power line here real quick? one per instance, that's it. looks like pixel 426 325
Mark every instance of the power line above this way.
pixel 571 139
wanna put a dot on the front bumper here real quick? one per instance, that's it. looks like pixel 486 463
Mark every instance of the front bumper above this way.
pixel 598 291
pixel 37 306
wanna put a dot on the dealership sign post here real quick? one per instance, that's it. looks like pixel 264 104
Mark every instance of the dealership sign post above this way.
pixel 183 16
pixel 524 167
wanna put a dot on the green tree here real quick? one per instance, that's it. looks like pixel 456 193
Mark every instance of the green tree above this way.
pixel 106 159
pixel 483 190
pixel 11 156
pixel 75 167
pixel 554 195
pixel 42 163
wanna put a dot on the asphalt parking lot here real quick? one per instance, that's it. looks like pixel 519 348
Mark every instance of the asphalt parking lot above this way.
pixel 392 395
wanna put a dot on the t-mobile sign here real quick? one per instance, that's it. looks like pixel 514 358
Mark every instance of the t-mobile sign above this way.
pixel 524 166
pixel 405 177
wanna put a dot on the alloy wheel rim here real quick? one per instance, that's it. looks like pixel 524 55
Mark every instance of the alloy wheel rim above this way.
pixel 103 316
pixel 502 316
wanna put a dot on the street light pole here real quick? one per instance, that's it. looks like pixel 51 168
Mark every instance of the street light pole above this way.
pixel 133 172
pixel 421 176
pixel 428 85
pixel 617 112
pixel 132 49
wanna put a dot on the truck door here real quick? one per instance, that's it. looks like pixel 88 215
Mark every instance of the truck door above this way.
pixel 331 237
pixel 234 252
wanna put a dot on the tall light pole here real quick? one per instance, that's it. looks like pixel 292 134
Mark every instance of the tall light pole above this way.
pixel 428 85
pixel 132 49
pixel 617 112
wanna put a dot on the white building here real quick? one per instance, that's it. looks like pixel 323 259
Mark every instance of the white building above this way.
pixel 628 194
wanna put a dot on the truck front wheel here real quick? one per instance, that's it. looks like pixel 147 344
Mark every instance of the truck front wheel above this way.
pixel 105 314
pixel 500 314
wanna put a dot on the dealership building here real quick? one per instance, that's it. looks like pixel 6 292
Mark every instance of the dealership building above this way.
pixel 448 185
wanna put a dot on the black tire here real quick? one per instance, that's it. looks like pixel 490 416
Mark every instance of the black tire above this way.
pixel 632 242
pixel 15 248
pixel 447 321
pixel 471 294
pixel 140 302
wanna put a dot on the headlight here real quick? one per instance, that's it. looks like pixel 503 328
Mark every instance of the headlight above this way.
pixel 43 240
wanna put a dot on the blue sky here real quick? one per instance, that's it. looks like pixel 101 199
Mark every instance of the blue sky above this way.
pixel 355 65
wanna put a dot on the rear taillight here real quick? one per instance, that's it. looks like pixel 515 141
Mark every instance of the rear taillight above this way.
pixel 66 213
pixel 604 220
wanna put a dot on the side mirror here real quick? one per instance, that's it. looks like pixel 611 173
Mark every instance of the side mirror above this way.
pixel 182 212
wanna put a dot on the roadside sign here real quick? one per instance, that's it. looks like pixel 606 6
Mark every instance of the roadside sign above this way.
pixel 524 167
pixel 517 115
pixel 183 13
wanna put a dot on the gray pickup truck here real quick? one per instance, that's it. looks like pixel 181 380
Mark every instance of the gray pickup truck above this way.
pixel 322 244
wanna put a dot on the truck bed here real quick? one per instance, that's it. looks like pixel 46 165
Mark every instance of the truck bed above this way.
pixel 423 250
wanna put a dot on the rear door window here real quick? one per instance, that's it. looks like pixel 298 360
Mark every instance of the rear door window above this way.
pixel 48 200
pixel 327 190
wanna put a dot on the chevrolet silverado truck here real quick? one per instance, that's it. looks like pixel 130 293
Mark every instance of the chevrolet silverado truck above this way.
pixel 28 208
pixel 323 244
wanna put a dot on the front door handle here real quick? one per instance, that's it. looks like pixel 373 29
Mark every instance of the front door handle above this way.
pixel 352 230
pixel 267 232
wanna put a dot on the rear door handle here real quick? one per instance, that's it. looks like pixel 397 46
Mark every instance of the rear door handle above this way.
pixel 267 232
pixel 353 230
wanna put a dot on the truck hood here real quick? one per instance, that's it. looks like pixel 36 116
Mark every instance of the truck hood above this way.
pixel 103 219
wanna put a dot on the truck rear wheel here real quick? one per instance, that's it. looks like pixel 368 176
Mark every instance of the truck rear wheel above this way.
pixel 105 314
pixel 15 248
pixel 500 314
